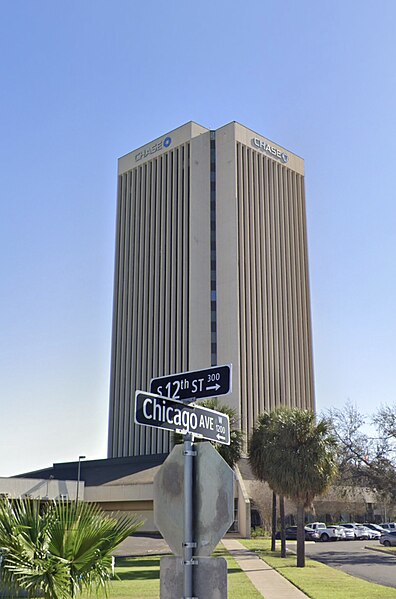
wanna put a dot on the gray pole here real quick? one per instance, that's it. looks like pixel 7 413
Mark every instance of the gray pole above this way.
pixel 188 544
pixel 80 457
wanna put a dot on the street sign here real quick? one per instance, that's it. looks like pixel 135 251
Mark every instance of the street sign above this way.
pixel 213 484
pixel 161 412
pixel 195 384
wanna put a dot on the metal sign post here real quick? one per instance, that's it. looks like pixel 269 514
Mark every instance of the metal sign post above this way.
pixel 161 409
pixel 212 508
pixel 188 543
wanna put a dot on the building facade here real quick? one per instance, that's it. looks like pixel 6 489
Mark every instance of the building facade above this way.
pixel 211 268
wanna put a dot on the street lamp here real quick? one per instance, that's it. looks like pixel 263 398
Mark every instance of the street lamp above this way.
pixel 80 457
pixel 48 482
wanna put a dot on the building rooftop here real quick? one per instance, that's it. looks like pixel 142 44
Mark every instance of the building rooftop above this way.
pixel 111 471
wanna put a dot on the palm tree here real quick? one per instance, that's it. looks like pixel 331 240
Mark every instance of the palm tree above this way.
pixel 230 453
pixel 60 549
pixel 296 457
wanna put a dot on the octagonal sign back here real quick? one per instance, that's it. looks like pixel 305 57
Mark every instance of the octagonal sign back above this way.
pixel 213 499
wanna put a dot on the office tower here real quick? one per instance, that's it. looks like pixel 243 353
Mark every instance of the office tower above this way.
pixel 211 268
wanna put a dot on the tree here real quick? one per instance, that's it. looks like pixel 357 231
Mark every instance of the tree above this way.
pixel 60 549
pixel 273 523
pixel 366 456
pixel 296 457
pixel 230 453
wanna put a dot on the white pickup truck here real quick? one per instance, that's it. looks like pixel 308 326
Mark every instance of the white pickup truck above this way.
pixel 327 533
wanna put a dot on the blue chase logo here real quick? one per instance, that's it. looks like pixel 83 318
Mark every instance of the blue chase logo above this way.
pixel 164 143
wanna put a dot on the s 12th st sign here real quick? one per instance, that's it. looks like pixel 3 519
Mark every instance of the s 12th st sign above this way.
pixel 195 384
pixel 161 412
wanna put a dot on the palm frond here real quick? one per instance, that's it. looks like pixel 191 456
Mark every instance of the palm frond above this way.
pixel 60 550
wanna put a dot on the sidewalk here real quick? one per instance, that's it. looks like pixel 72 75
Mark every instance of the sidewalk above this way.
pixel 266 580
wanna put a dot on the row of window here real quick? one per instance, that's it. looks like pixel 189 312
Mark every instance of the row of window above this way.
pixel 213 305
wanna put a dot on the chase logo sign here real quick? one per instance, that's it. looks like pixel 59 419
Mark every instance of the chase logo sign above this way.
pixel 271 150
pixel 164 143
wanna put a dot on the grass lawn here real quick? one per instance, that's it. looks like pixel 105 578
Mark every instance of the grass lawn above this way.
pixel 139 579
pixel 239 585
pixel 317 580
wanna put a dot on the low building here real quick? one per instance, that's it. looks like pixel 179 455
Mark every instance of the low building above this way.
pixel 116 484
pixel 338 504
pixel 126 485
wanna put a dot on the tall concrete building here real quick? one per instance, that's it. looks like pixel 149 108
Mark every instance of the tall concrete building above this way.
pixel 211 268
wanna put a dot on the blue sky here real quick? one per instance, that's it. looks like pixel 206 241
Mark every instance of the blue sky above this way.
pixel 86 81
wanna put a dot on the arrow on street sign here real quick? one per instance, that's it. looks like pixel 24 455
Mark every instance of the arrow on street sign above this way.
pixel 195 384
pixel 161 412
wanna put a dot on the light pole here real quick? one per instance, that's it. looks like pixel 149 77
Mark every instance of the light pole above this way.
pixel 48 482
pixel 80 457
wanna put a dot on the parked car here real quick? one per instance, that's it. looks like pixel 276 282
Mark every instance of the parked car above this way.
pixel 388 525
pixel 326 533
pixel 337 531
pixel 388 539
pixel 291 534
pixel 372 526
pixel 362 533
pixel 349 533
pixel 311 534
pixel 373 534
pixel 359 530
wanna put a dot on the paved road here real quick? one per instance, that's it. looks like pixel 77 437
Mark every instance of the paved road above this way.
pixel 142 544
pixel 353 558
